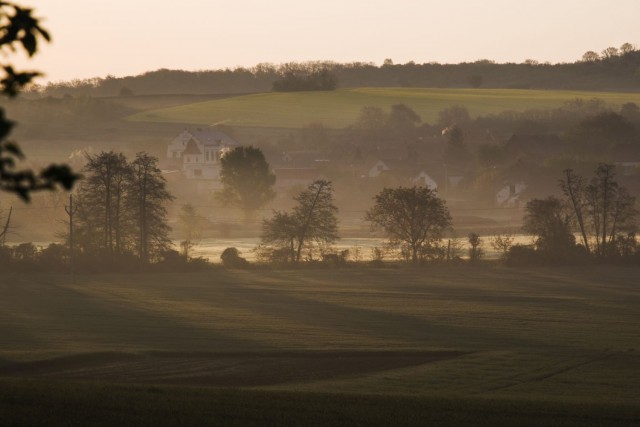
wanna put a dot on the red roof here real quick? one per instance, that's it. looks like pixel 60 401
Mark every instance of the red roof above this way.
pixel 192 148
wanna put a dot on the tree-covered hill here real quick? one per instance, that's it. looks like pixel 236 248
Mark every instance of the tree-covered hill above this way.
pixel 614 71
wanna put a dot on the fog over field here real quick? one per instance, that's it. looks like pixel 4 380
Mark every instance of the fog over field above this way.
pixel 289 213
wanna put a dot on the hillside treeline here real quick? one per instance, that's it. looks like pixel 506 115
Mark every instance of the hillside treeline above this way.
pixel 617 70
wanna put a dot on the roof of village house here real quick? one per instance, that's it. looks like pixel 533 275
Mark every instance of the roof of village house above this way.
pixel 208 136
pixel 192 148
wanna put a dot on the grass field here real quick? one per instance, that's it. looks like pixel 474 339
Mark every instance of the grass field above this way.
pixel 340 108
pixel 544 347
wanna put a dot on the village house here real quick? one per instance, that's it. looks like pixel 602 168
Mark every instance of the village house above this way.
pixel 509 195
pixel 434 176
pixel 197 154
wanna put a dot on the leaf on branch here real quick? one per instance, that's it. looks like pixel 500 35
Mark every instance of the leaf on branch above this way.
pixel 59 174
pixel 13 148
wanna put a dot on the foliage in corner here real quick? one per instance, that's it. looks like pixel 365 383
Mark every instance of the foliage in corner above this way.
pixel 20 30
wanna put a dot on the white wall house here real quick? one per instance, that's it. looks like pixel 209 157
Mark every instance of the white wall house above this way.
pixel 509 195
pixel 378 168
pixel 199 152
pixel 424 180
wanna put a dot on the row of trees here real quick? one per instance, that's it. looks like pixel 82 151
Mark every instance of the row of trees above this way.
pixel 298 77
pixel 121 209
pixel 414 220
pixel 613 69
pixel 599 210
pixel 610 52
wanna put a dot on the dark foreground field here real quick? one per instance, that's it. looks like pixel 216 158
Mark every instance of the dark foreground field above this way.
pixel 481 346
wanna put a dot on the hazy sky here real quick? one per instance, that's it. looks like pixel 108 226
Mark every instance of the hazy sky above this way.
pixel 122 37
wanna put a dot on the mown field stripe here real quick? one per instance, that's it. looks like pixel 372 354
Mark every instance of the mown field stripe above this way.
pixel 340 108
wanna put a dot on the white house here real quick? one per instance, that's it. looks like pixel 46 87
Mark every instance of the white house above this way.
pixel 423 179
pixel 199 151
pixel 509 195
pixel 378 168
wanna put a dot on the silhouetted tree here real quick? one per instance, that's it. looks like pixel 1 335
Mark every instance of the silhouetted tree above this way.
pixel 604 210
pixel 298 77
pixel 312 222
pixel 475 250
pixel 280 232
pixel 574 189
pixel 549 221
pixel 121 208
pixel 5 228
pixel 246 179
pixel 231 258
pixel 103 223
pixel 627 48
pixel 602 130
pixel 610 52
pixel 590 56
pixel 402 118
pixel 611 209
pixel 414 216
pixel 147 196
pixel 190 225
pixel 502 243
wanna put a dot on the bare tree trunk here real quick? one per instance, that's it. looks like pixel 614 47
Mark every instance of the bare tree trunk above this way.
pixel 108 243
pixel 572 188
pixel 306 223
pixel 5 229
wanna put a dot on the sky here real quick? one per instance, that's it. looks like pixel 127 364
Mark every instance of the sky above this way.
pixel 95 38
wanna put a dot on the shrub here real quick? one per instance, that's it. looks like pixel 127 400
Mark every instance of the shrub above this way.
pixel 335 260
pixel 54 257
pixel 521 255
pixel 231 259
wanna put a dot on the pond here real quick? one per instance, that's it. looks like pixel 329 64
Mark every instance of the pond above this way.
pixel 212 248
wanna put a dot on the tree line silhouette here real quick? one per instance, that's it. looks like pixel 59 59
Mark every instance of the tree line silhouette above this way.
pixel 615 69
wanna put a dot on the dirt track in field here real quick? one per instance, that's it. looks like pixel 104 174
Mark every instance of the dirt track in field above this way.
pixel 222 369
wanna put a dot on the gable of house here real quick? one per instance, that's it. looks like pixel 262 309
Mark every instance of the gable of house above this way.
pixel 424 180
pixel 509 194
pixel 207 140
pixel 378 168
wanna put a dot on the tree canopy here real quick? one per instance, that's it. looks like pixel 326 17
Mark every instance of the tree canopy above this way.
pixel 246 179
pixel 550 222
pixel 414 216
pixel 121 208
pixel 312 222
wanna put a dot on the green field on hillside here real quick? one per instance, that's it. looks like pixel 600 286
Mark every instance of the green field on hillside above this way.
pixel 340 108
pixel 529 344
